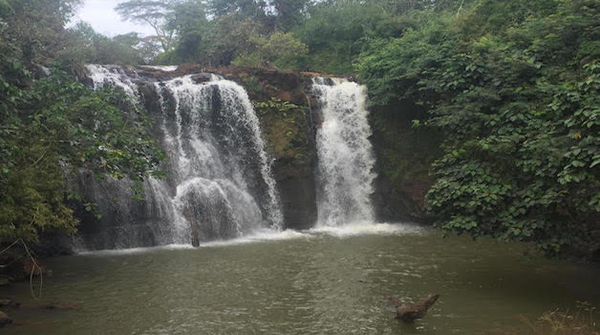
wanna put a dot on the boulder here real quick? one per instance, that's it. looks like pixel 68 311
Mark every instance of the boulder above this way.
pixel 5 280
pixel 9 302
pixel 4 319
pixel 202 77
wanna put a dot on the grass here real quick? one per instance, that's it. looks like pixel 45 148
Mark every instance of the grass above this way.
pixel 581 321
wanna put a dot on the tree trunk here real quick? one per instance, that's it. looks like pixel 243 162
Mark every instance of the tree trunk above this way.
pixel 410 312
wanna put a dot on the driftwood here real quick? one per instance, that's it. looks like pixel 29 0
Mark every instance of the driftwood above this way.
pixel 410 312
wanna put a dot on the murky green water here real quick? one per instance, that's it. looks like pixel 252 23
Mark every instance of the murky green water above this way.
pixel 317 283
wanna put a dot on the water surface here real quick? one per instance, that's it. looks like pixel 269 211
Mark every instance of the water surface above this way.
pixel 328 281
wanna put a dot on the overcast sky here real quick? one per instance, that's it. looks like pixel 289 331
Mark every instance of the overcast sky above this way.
pixel 101 15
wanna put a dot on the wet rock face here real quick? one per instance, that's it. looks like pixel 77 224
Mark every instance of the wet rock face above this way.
pixel 290 137
pixel 201 78
pixel 400 202
pixel 299 202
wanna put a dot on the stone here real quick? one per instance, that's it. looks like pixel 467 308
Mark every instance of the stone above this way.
pixel 9 302
pixel 4 281
pixel 4 319
pixel 202 78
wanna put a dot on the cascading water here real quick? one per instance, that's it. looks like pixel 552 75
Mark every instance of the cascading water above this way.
pixel 220 160
pixel 219 183
pixel 112 75
pixel 346 160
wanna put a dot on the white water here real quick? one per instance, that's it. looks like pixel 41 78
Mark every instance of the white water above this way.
pixel 164 68
pixel 269 235
pixel 112 75
pixel 220 187
pixel 217 129
pixel 345 154
pixel 220 184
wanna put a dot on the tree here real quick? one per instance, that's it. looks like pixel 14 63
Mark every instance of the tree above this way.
pixel 53 126
pixel 253 9
pixel 64 126
pixel 279 50
pixel 516 97
pixel 336 31
pixel 228 39
pixel 288 13
pixel 85 45
pixel 33 29
pixel 193 29
pixel 158 14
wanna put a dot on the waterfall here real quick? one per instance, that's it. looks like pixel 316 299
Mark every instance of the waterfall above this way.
pixel 346 160
pixel 112 75
pixel 219 183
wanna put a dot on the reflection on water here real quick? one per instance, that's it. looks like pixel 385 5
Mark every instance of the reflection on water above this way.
pixel 324 281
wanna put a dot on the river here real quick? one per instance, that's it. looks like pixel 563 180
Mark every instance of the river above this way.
pixel 323 281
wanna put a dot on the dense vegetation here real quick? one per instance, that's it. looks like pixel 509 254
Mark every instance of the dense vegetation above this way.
pixel 54 126
pixel 513 86
pixel 502 97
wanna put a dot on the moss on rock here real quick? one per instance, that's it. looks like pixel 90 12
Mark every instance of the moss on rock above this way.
pixel 285 129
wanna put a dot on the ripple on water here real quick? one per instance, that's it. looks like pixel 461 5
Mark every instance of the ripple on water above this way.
pixel 360 229
pixel 321 281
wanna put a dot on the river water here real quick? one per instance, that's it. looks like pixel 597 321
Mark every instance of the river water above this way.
pixel 327 281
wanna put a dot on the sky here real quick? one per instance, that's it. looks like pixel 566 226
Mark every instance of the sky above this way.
pixel 101 15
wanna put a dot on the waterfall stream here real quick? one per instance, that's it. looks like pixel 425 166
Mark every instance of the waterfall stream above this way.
pixel 346 160
pixel 219 183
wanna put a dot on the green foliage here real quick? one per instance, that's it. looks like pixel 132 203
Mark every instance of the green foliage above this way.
pixel 391 68
pixel 192 29
pixel 240 30
pixel 227 39
pixel 86 46
pixel 285 129
pixel 288 34
pixel 30 28
pixel 511 86
pixel 519 109
pixel 275 105
pixel 289 13
pixel 158 14
pixel 279 50
pixel 244 9
pixel 55 126
pixel 90 128
pixel 336 32
pixel 58 127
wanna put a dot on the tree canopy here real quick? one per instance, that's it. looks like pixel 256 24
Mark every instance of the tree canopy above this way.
pixel 513 86
pixel 157 14
pixel 52 125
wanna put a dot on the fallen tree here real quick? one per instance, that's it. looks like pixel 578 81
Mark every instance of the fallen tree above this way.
pixel 410 312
